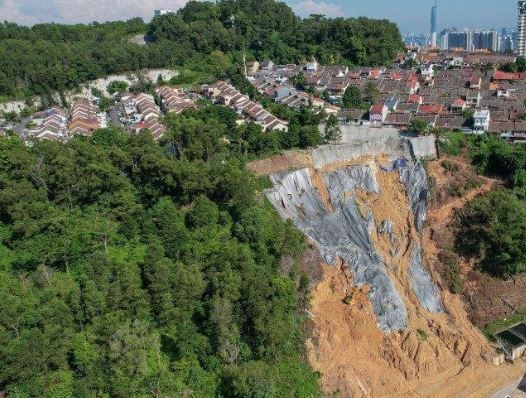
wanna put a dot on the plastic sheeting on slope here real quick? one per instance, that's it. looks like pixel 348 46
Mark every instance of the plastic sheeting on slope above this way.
pixel 415 180
pixel 342 233
pixel 422 284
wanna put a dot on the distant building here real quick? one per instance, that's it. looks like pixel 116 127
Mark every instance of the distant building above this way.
pixel 506 44
pixel 434 24
pixel 521 29
pixel 463 40
pixel 159 13
pixel 378 112
pixel 443 40
pixel 485 40
pixel 481 121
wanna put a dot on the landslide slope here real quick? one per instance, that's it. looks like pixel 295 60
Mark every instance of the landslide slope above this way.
pixel 381 324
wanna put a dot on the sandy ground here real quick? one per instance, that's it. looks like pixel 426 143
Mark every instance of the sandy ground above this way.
pixel 439 355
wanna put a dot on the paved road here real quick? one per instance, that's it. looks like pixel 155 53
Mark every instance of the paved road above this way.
pixel 515 390
pixel 114 116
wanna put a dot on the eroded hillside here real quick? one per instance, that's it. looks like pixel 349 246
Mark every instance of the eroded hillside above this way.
pixel 382 324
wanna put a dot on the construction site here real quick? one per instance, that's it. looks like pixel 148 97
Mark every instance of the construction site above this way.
pixel 381 321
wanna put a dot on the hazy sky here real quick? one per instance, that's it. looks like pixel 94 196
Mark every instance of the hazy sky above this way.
pixel 411 15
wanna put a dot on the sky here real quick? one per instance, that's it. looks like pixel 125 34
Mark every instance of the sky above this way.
pixel 412 16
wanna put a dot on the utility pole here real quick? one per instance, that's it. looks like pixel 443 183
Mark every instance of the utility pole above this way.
pixel 233 20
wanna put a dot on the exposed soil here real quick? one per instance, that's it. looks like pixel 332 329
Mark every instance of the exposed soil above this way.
pixel 290 160
pixel 487 298
pixel 438 355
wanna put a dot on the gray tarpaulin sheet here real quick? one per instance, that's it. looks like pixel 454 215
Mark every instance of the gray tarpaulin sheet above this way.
pixel 342 233
pixel 422 284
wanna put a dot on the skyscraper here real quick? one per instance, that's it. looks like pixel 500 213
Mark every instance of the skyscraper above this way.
pixel 434 24
pixel 521 29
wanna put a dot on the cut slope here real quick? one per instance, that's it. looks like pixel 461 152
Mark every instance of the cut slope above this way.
pixel 369 229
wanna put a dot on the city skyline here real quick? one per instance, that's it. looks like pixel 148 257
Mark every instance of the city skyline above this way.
pixel 412 16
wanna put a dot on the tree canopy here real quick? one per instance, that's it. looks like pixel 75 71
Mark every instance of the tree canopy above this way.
pixel 52 57
pixel 492 228
pixel 130 269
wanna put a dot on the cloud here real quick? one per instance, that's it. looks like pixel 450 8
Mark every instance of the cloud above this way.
pixel 29 12
pixel 307 7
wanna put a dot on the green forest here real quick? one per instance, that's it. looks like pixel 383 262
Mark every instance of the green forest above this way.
pixel 202 37
pixel 131 269
pixel 492 228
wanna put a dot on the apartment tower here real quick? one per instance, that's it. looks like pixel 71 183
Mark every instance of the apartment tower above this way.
pixel 521 29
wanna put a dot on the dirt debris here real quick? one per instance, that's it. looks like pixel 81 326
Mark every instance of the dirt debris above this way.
pixel 289 160
pixel 438 355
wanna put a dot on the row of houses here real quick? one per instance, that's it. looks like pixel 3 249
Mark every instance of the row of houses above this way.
pixel 57 124
pixel 450 95
pixel 51 124
pixel 85 118
pixel 176 100
pixel 461 58
pixel 225 94
pixel 282 92
pixel 141 112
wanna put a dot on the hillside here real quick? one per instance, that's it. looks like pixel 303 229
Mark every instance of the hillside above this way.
pixel 50 57
pixel 383 322
pixel 126 271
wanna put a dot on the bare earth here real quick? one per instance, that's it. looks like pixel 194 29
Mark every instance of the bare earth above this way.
pixel 439 355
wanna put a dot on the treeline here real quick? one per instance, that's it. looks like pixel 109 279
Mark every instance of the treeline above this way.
pixel 202 36
pixel 270 30
pixel 130 269
pixel 492 228
pixel 47 58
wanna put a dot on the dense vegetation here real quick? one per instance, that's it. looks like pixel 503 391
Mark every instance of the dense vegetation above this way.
pixel 269 29
pixel 130 269
pixel 201 38
pixel 492 228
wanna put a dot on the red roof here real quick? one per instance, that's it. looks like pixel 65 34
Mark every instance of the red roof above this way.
pixel 430 108
pixel 499 75
pixel 377 108
pixel 414 98
pixel 459 102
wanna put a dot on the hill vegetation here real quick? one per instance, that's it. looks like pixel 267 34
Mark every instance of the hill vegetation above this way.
pixel 130 269
pixel 202 39
pixel 492 228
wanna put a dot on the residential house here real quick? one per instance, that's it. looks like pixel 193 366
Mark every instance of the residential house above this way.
pixel 481 121
pixel 378 112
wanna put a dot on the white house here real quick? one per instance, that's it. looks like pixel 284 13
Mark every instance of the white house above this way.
pixel 427 71
pixel 311 66
pixel 378 112
pixel 481 121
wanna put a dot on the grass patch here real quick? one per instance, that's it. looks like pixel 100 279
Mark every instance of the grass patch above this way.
pixel 452 143
pixel 450 271
pixel 422 335
pixel 491 328
pixel 450 166
pixel 263 182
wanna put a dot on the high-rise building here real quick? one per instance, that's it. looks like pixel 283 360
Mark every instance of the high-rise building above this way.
pixel 521 29
pixel 462 40
pixel 434 24
pixel 444 39
pixel 485 40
